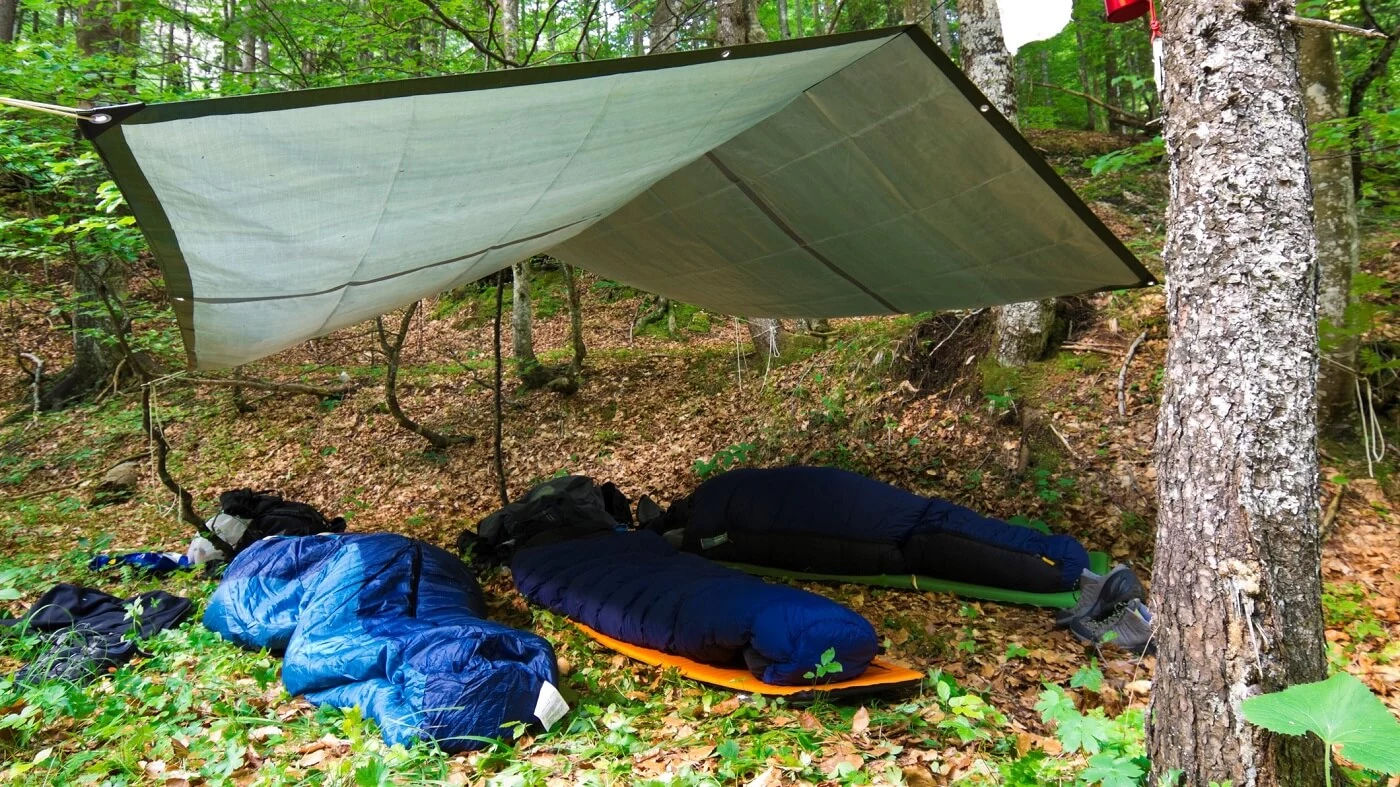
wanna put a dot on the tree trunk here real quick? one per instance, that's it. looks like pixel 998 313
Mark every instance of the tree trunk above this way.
pixel 7 20
pixel 95 355
pixel 1338 244
pixel 1022 328
pixel 522 339
pixel 1357 99
pixel 769 337
pixel 1091 121
pixel 575 319
pixel 1111 93
pixel 510 27
pixel 663 32
pixel 945 35
pixel 783 32
pixel 731 22
pixel 916 11
pixel 1237 582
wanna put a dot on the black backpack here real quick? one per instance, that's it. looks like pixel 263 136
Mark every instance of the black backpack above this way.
pixel 271 515
pixel 571 506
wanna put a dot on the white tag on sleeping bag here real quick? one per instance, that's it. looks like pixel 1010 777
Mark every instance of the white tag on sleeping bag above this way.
pixel 550 706
pixel 714 541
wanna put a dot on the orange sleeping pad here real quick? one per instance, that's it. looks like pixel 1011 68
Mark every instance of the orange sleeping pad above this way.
pixel 880 677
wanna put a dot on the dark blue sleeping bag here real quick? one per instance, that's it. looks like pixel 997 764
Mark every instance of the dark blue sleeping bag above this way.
pixel 637 588
pixel 393 625
pixel 833 521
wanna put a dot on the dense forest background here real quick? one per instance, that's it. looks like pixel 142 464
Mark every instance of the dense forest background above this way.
pixel 391 423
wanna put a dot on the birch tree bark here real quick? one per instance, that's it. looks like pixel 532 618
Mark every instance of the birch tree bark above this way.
pixel 945 34
pixel 1022 328
pixel 663 31
pixel 522 313
pixel 1236 580
pixel 1338 242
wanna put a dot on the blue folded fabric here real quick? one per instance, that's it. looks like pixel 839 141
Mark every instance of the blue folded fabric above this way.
pixel 158 563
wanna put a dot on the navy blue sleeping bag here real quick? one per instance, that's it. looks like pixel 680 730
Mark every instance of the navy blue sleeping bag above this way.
pixel 832 521
pixel 393 625
pixel 637 588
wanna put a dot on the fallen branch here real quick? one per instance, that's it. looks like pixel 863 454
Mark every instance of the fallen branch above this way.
pixel 38 378
pixel 1073 454
pixel 1331 516
pixel 1123 374
pixel 1120 115
pixel 71 484
pixel 1096 348
pixel 262 385
pixel 1335 27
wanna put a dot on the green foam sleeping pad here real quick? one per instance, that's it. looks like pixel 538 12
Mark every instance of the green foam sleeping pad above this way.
pixel 1098 563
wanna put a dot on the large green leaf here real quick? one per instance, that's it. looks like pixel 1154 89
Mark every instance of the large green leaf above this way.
pixel 1338 710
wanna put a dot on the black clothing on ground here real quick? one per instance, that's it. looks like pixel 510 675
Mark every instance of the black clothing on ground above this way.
pixel 90 630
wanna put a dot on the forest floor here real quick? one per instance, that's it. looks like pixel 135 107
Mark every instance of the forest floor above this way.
pixel 908 400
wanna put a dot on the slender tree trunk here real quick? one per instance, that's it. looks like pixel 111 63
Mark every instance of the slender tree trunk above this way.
pixel 1022 328
pixel 1338 243
pixel 522 317
pixel 940 17
pixel 663 32
pixel 498 454
pixel 7 20
pixel 1237 580
pixel 731 22
pixel 392 345
pixel 575 319
pixel 1111 93
pixel 95 354
pixel 783 32
pixel 248 61
pixel 1357 99
pixel 1091 121
pixel 522 338
pixel 917 11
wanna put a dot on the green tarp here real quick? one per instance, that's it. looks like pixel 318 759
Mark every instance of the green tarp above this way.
pixel 825 177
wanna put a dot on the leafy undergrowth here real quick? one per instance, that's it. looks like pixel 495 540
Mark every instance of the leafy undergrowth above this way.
pixel 1007 698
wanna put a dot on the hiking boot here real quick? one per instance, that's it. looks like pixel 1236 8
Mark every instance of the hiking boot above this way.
pixel 1100 595
pixel 1130 628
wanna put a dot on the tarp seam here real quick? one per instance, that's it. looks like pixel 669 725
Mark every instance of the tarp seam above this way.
pixel 787 229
